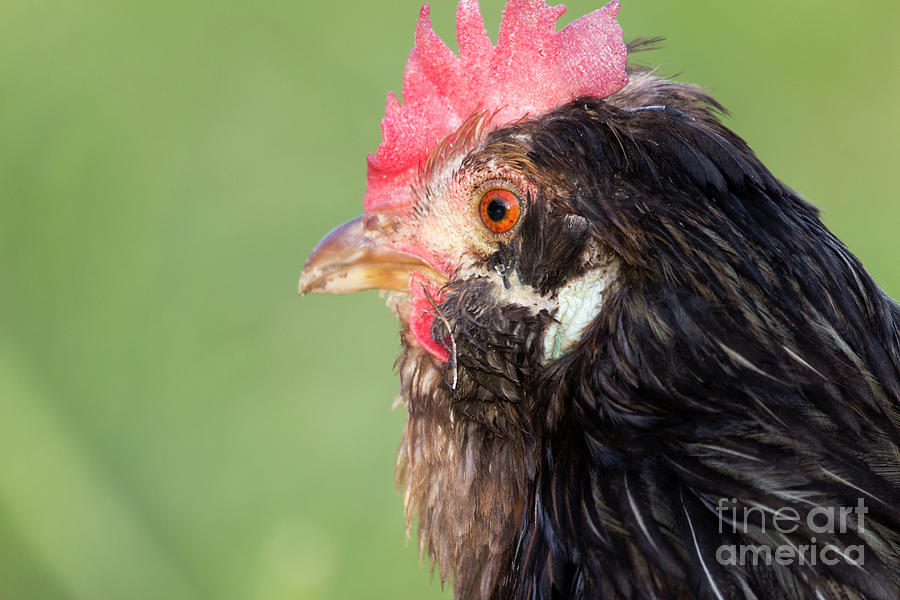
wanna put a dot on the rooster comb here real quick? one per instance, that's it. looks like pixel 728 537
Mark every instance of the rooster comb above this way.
pixel 532 69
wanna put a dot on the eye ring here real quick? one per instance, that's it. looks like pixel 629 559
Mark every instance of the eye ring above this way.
pixel 499 209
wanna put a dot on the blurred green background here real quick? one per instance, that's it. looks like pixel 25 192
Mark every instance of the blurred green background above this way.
pixel 174 423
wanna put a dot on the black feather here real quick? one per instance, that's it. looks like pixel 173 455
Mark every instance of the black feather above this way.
pixel 741 352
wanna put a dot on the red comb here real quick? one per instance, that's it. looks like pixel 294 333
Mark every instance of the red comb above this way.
pixel 532 69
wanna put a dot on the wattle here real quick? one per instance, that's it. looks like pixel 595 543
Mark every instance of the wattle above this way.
pixel 422 314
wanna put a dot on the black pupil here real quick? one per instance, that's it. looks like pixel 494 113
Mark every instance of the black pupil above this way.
pixel 496 210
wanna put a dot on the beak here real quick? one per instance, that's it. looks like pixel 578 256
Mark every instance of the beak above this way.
pixel 352 258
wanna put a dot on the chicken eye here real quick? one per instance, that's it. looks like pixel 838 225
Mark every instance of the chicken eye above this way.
pixel 499 210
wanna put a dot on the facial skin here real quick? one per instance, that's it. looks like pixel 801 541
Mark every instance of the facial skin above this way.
pixel 467 211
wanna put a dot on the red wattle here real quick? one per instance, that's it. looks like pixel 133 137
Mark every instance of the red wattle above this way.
pixel 422 314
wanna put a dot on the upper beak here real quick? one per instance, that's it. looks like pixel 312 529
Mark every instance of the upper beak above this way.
pixel 352 258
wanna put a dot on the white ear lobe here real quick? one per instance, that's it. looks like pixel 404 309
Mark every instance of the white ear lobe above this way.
pixel 580 301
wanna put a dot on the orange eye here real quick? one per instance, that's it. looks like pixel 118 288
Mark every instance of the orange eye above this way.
pixel 499 210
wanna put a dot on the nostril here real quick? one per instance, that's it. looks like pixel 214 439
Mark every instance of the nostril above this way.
pixel 372 222
pixel 382 222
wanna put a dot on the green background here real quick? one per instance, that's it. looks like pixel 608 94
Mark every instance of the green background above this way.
pixel 174 422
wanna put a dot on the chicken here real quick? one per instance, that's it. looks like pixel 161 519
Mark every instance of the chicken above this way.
pixel 636 365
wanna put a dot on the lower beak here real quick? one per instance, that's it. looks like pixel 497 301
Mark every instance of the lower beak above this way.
pixel 352 258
